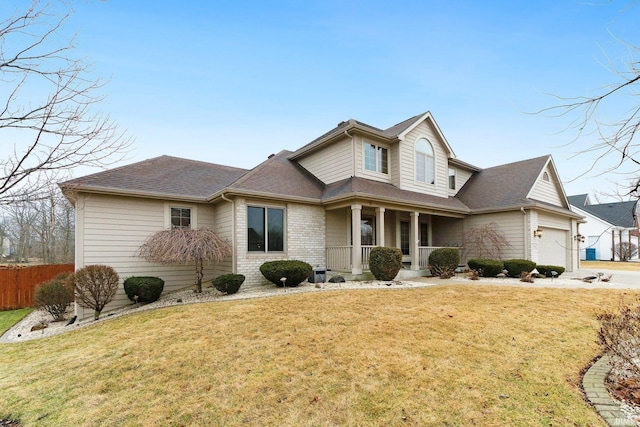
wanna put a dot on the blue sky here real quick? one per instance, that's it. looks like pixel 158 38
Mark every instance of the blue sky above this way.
pixel 232 82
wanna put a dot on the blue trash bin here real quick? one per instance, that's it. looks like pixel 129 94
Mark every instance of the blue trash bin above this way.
pixel 591 254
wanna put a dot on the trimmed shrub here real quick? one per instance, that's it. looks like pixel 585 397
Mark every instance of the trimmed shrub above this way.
pixel 546 270
pixel 486 267
pixel 55 295
pixel 95 287
pixel 295 271
pixel 147 288
pixel 517 266
pixel 444 261
pixel 385 263
pixel 228 283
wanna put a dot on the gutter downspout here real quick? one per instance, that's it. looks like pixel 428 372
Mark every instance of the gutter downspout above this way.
pixel 527 244
pixel 233 232
pixel 353 154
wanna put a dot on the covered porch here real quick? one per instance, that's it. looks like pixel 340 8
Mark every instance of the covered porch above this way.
pixel 416 232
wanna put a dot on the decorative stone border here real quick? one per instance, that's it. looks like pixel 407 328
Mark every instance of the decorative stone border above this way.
pixel 597 394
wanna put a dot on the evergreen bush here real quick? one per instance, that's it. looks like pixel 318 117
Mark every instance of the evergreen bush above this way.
pixel 295 271
pixel 486 267
pixel 228 283
pixel 385 263
pixel 546 270
pixel 517 266
pixel 147 288
pixel 444 260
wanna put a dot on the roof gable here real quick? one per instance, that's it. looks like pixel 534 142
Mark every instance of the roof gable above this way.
pixel 428 118
pixel 548 187
pixel 502 186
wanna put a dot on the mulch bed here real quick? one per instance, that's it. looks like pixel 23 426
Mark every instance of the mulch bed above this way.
pixel 626 390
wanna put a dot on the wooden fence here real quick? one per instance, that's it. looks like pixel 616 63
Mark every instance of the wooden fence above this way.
pixel 17 284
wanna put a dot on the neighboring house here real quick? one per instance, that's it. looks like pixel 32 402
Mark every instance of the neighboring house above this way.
pixel 403 186
pixel 606 225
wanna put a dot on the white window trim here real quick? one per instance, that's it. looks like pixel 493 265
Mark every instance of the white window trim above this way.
pixel 364 162
pixel 455 176
pixel 167 214
pixel 435 165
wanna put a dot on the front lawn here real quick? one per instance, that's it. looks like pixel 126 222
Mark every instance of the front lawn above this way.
pixel 11 317
pixel 446 355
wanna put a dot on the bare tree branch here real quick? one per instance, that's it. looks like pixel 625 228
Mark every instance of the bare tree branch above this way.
pixel 50 129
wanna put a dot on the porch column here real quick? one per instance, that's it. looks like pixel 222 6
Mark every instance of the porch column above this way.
pixel 380 226
pixel 356 239
pixel 413 241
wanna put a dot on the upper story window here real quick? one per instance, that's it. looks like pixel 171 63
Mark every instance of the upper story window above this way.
pixel 425 162
pixel 452 179
pixel 180 217
pixel 265 229
pixel 545 177
pixel 376 158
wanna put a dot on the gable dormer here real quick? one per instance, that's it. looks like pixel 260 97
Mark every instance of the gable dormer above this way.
pixel 548 187
pixel 424 155
pixel 413 155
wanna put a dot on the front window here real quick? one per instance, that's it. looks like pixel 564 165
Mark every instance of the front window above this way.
pixel 376 158
pixel 452 179
pixel 265 228
pixel 180 217
pixel 425 162
pixel 367 231
pixel 424 234
pixel 404 237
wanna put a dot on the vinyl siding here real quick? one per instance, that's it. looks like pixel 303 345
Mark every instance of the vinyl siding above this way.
pixel 510 224
pixel 332 163
pixel 113 228
pixel 337 228
pixel 548 191
pixel 359 158
pixel 407 162
pixel 447 232
pixel 462 176
pixel 223 213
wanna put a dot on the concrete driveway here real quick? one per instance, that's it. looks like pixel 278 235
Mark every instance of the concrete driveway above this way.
pixel 619 279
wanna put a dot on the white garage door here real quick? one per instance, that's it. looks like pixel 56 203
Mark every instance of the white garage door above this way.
pixel 553 247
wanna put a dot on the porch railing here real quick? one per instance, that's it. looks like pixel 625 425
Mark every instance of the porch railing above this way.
pixel 339 257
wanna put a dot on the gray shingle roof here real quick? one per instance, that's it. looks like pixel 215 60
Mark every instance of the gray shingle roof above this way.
pixel 502 186
pixel 579 200
pixel 280 176
pixel 164 175
pixel 619 214
pixel 352 187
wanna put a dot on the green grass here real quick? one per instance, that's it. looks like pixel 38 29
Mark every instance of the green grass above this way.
pixel 446 355
pixel 11 317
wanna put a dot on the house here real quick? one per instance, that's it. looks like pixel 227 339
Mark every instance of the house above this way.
pixel 607 224
pixel 403 185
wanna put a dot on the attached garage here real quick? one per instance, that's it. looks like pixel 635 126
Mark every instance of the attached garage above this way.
pixel 554 247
